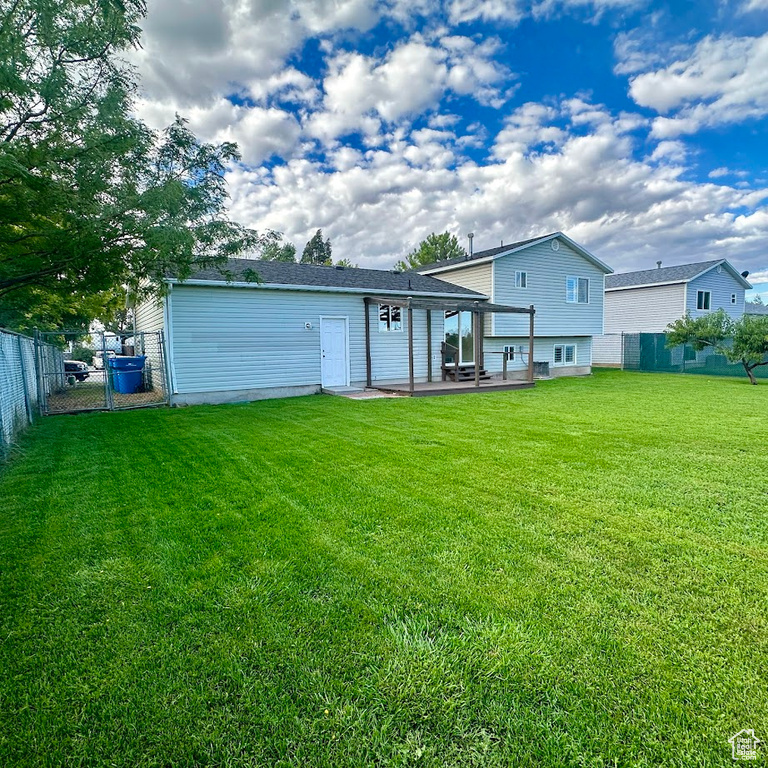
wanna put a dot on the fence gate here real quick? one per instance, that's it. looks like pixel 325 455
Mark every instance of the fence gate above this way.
pixel 100 371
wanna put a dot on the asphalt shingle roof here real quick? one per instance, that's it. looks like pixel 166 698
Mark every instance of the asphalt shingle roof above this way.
pixel 364 280
pixel 483 254
pixel 679 274
pixel 755 309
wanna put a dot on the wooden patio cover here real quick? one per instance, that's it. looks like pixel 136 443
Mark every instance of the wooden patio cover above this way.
pixel 478 310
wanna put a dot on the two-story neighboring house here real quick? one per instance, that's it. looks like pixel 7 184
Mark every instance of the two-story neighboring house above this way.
pixel 649 300
pixel 559 277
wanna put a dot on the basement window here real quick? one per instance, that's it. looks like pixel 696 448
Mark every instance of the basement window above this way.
pixel 565 354
pixel 390 318
pixel 703 300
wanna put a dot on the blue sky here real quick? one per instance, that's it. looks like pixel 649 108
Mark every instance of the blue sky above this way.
pixel 638 128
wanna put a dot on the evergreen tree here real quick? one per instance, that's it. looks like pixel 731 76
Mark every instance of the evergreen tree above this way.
pixel 317 250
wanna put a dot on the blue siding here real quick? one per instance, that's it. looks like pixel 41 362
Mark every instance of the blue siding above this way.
pixel 228 338
pixel 722 285
pixel 547 271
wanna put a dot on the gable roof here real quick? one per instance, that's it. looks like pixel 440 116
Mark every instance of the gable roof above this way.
pixel 336 279
pixel 494 253
pixel 755 309
pixel 682 273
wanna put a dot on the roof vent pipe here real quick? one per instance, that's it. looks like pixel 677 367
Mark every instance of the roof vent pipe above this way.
pixel 470 237
pixel 658 265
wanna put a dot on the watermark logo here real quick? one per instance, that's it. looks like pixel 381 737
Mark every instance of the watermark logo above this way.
pixel 744 745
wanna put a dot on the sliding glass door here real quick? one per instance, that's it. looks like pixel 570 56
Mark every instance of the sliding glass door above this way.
pixel 459 333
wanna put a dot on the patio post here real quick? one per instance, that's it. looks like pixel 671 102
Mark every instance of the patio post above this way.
pixel 429 345
pixel 476 344
pixel 368 379
pixel 530 345
pixel 410 346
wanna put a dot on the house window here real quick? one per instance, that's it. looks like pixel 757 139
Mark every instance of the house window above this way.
pixel 521 279
pixel 390 318
pixel 509 349
pixel 703 299
pixel 577 290
pixel 733 298
pixel 565 354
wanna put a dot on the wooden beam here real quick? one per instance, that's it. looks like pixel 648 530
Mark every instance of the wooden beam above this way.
pixel 476 345
pixel 429 345
pixel 530 346
pixel 368 378
pixel 410 349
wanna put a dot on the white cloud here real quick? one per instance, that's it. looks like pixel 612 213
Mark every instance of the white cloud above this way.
pixel 755 5
pixel 362 91
pixel 722 81
pixel 377 204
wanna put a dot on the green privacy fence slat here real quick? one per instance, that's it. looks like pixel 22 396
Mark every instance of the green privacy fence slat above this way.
pixel 648 352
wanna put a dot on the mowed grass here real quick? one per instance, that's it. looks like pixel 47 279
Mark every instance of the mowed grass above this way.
pixel 571 575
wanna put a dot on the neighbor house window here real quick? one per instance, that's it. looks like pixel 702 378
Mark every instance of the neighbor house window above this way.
pixel 703 299
pixel 733 298
pixel 521 279
pixel 577 290
pixel 390 318
pixel 565 354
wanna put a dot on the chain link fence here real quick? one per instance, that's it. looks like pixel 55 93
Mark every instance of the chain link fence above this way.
pixel 648 352
pixel 20 391
pixel 102 371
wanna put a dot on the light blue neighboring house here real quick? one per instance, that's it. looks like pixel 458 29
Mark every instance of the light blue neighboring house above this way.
pixel 647 301
pixel 303 328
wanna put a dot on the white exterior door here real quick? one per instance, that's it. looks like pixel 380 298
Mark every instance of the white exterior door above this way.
pixel 333 348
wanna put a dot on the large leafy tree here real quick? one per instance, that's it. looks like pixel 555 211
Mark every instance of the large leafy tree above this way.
pixel 433 248
pixel 743 341
pixel 279 250
pixel 317 250
pixel 90 198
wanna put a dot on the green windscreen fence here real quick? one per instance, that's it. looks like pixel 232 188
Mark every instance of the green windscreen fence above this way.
pixel 648 352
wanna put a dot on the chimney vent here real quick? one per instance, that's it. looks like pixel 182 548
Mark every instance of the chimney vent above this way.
pixel 658 265
pixel 470 237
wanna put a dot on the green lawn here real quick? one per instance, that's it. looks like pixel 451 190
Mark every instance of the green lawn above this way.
pixel 571 575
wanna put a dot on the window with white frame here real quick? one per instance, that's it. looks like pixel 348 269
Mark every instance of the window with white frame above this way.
pixel 733 298
pixel 521 279
pixel 564 354
pixel 390 318
pixel 577 290
pixel 703 299
pixel 509 350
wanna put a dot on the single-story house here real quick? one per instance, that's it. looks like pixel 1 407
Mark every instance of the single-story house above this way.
pixel 647 301
pixel 301 328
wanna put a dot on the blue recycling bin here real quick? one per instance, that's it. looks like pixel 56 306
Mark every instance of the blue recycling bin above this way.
pixel 126 373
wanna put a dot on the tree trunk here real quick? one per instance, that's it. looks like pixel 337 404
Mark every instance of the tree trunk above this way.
pixel 748 369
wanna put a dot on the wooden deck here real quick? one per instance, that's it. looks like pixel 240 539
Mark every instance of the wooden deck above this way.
pixel 435 388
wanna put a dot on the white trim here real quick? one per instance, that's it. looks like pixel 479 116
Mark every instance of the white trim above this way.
pixel 564 362
pixel 168 323
pixel 390 329
pixel 324 289
pixel 580 249
pixel 704 294
pixel 646 285
pixel 345 318
pixel 577 278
